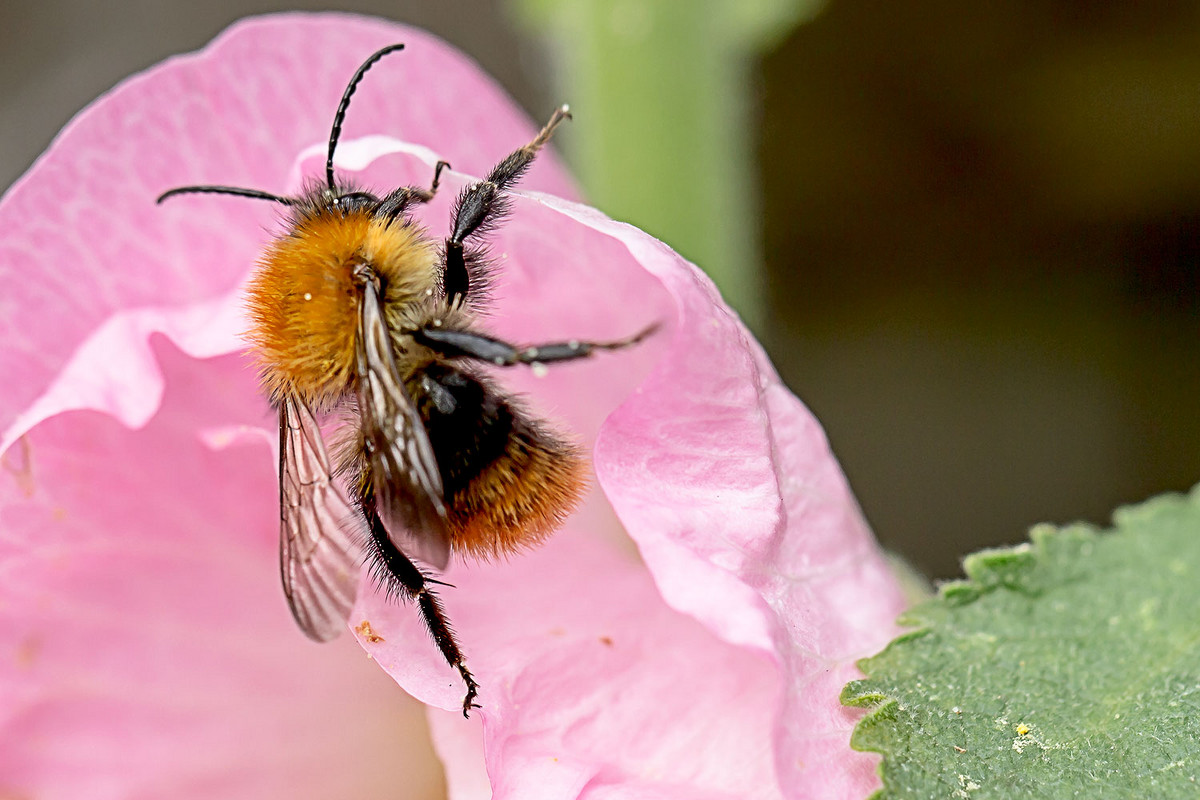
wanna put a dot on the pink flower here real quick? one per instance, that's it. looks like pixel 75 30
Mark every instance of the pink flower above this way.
pixel 145 646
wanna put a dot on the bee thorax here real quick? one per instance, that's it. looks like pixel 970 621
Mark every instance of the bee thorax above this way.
pixel 304 299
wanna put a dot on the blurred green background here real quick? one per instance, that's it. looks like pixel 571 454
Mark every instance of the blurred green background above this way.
pixel 966 232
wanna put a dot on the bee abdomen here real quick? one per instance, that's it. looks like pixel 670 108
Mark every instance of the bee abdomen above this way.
pixel 508 480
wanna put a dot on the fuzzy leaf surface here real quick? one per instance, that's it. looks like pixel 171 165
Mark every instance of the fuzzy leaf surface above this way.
pixel 1066 667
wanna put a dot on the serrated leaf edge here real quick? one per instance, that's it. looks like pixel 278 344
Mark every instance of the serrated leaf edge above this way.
pixel 986 571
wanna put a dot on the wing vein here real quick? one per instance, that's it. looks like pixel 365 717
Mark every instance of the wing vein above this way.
pixel 321 535
pixel 405 477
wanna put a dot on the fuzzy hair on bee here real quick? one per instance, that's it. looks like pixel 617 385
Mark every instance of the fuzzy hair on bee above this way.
pixel 356 310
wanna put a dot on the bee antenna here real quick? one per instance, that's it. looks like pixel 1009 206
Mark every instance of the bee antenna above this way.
pixel 234 190
pixel 340 116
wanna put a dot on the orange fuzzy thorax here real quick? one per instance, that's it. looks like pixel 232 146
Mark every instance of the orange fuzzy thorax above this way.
pixel 304 300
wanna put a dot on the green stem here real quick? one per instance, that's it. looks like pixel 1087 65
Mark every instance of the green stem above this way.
pixel 663 135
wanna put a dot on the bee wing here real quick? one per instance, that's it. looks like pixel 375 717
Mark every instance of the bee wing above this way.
pixel 404 471
pixel 320 534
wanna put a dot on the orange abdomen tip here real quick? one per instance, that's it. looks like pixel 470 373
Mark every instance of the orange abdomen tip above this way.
pixel 519 499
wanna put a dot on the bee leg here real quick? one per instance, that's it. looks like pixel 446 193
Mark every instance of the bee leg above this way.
pixel 399 575
pixel 398 201
pixel 483 203
pixel 469 344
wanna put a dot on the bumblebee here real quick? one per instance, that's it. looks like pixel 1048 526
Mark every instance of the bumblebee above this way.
pixel 355 309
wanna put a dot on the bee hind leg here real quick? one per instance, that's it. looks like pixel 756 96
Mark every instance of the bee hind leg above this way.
pixel 401 576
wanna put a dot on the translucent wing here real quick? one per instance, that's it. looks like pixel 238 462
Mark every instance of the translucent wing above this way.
pixel 320 534
pixel 404 472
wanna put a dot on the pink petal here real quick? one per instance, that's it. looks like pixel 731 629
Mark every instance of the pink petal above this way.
pixel 711 670
pixel 747 526
pixel 745 519
pixel 145 650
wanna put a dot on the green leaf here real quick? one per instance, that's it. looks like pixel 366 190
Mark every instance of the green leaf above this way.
pixel 1067 667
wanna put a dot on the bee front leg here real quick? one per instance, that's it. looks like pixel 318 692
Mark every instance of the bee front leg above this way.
pixel 482 204
pixel 399 200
